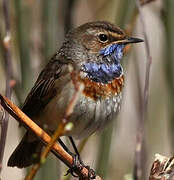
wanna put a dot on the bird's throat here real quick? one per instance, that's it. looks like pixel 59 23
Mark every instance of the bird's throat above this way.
pixel 107 69
pixel 102 72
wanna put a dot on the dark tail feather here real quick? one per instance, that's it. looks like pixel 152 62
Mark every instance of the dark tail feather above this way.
pixel 26 153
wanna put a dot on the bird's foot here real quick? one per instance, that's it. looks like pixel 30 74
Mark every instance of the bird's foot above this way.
pixel 91 172
pixel 78 165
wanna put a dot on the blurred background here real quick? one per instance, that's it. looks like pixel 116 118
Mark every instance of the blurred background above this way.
pixel 38 29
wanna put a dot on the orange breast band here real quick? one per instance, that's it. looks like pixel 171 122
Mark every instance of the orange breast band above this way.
pixel 96 90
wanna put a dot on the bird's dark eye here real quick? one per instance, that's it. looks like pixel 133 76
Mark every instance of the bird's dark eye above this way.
pixel 103 37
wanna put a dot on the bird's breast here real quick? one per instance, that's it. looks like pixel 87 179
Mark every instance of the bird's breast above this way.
pixel 97 105
pixel 96 90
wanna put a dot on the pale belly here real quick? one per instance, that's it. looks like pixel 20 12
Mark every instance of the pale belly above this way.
pixel 89 115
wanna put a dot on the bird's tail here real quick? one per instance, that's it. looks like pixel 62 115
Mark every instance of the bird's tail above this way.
pixel 26 153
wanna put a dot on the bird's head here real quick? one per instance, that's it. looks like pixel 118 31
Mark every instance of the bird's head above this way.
pixel 98 48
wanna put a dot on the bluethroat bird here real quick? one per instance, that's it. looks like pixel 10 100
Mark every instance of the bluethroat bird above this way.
pixel 95 49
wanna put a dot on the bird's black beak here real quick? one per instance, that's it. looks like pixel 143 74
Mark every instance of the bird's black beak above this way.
pixel 130 40
pixel 133 40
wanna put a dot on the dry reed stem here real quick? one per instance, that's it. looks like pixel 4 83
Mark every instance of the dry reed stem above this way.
pixel 6 52
pixel 138 166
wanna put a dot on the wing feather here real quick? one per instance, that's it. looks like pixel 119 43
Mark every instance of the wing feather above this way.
pixel 44 89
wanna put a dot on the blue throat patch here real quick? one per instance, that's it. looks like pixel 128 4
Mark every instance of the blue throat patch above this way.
pixel 106 71
pixel 115 49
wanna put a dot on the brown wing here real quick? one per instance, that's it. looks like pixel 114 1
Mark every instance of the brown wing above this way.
pixel 44 89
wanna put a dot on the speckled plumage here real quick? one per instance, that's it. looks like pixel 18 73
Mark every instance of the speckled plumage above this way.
pixel 94 50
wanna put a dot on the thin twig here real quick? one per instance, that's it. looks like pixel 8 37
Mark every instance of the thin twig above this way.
pixel 58 151
pixel 15 112
pixel 141 124
pixel 9 74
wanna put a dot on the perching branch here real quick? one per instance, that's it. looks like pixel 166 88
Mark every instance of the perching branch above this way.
pixel 5 43
pixel 144 102
pixel 58 151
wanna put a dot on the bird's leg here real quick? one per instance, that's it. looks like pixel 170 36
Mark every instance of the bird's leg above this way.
pixel 75 149
pixel 64 146
pixel 77 160
pixel 68 151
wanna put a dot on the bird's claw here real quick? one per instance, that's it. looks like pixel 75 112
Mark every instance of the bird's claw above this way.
pixel 91 172
pixel 78 165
